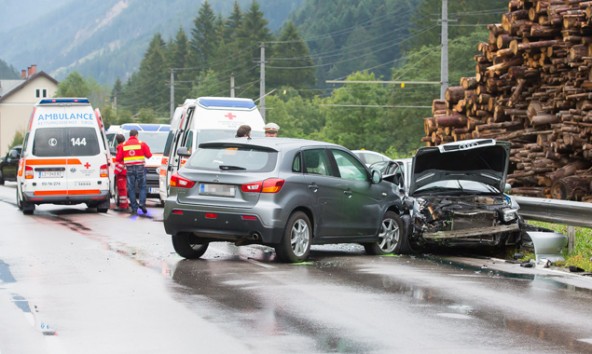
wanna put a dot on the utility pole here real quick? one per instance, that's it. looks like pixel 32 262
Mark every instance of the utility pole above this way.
pixel 172 104
pixel 444 50
pixel 262 83
pixel 231 85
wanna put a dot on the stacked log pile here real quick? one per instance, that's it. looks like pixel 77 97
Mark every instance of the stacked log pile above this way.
pixel 533 88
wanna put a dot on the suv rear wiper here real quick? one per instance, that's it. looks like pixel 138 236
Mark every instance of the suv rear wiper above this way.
pixel 230 167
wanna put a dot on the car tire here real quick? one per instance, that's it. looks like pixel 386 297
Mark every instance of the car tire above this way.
pixel 103 206
pixel 189 246
pixel 26 207
pixel 392 237
pixel 1 179
pixel 295 244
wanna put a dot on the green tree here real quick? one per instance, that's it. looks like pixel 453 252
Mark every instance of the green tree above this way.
pixel 290 64
pixel 149 87
pixel 7 72
pixel 296 116
pixel 209 84
pixel 356 113
pixel 463 14
pixel 204 37
pixel 74 85
pixel 251 34
pixel 17 139
pixel 178 51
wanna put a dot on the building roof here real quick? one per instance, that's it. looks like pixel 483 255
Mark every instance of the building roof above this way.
pixel 13 86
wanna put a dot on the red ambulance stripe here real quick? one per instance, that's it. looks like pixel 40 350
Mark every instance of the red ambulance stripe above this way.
pixel 36 162
pixel 68 192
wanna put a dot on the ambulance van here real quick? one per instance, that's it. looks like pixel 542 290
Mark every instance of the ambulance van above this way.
pixel 65 159
pixel 205 119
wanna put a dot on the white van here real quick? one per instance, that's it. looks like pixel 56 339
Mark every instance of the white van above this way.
pixel 65 159
pixel 205 119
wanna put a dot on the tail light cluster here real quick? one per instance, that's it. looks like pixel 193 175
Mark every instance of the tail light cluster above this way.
pixel 104 170
pixel 29 173
pixel 270 185
pixel 181 182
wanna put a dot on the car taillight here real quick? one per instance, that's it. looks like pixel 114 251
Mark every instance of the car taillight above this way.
pixel 270 185
pixel 181 182
pixel 29 174
pixel 104 170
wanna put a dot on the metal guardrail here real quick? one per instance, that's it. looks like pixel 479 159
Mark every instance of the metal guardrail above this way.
pixel 556 211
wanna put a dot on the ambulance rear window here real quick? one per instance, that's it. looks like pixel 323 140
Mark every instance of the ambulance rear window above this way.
pixel 73 141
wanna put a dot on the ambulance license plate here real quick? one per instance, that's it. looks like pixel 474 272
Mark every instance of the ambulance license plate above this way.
pixel 51 174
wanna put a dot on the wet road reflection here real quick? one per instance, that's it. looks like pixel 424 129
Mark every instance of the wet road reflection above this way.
pixel 360 304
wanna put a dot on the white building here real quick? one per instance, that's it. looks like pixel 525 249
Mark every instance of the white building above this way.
pixel 17 98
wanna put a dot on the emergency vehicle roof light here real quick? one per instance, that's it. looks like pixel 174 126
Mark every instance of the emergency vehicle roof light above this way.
pixel 63 100
pixel 221 102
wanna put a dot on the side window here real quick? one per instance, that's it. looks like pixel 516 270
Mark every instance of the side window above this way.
pixel 189 141
pixel 349 168
pixel 316 162
pixel 297 164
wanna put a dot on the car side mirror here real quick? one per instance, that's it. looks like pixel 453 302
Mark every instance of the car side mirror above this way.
pixel 376 176
pixel 14 154
pixel 183 152
pixel 507 188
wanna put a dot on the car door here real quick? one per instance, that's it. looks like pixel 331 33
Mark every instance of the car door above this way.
pixel 324 185
pixel 11 164
pixel 361 200
pixel 182 137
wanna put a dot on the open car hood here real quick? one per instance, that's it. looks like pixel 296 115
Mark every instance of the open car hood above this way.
pixel 480 160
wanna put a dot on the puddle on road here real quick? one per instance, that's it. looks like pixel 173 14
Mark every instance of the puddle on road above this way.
pixel 5 274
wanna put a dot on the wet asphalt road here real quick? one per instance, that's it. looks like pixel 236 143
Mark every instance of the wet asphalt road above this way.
pixel 74 281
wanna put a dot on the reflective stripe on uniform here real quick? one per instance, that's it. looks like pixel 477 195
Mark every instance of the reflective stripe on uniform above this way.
pixel 131 147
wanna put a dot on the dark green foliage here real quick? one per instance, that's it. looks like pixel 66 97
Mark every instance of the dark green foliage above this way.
pixel 7 72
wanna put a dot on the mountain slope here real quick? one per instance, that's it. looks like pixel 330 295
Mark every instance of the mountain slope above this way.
pixel 106 39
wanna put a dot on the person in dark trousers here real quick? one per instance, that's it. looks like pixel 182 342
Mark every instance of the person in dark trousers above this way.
pixel 244 131
pixel 121 177
pixel 133 155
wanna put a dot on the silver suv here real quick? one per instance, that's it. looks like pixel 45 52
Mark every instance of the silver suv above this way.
pixel 284 193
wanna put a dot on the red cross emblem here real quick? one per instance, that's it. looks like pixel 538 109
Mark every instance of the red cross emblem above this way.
pixel 230 116
pixel 87 165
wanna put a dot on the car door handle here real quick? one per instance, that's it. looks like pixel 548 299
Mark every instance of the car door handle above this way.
pixel 313 187
pixel 348 193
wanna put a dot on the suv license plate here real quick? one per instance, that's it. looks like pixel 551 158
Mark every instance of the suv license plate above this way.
pixel 222 190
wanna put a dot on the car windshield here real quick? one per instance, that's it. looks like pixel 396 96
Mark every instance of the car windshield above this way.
pixel 457 186
pixel 233 158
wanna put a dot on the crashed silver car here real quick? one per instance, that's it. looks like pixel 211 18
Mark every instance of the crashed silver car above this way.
pixel 456 196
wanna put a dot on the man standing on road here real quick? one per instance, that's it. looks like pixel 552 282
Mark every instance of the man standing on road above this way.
pixel 134 154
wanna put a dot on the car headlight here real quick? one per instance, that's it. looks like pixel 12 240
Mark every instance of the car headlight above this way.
pixel 512 202
pixel 509 215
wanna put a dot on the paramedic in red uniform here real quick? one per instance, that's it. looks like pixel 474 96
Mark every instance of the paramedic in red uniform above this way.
pixel 121 177
pixel 134 154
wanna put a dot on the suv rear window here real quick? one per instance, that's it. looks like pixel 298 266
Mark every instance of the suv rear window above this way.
pixel 72 141
pixel 244 158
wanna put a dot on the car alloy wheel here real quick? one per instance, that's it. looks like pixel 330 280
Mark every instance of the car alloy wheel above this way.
pixel 295 245
pixel 389 235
